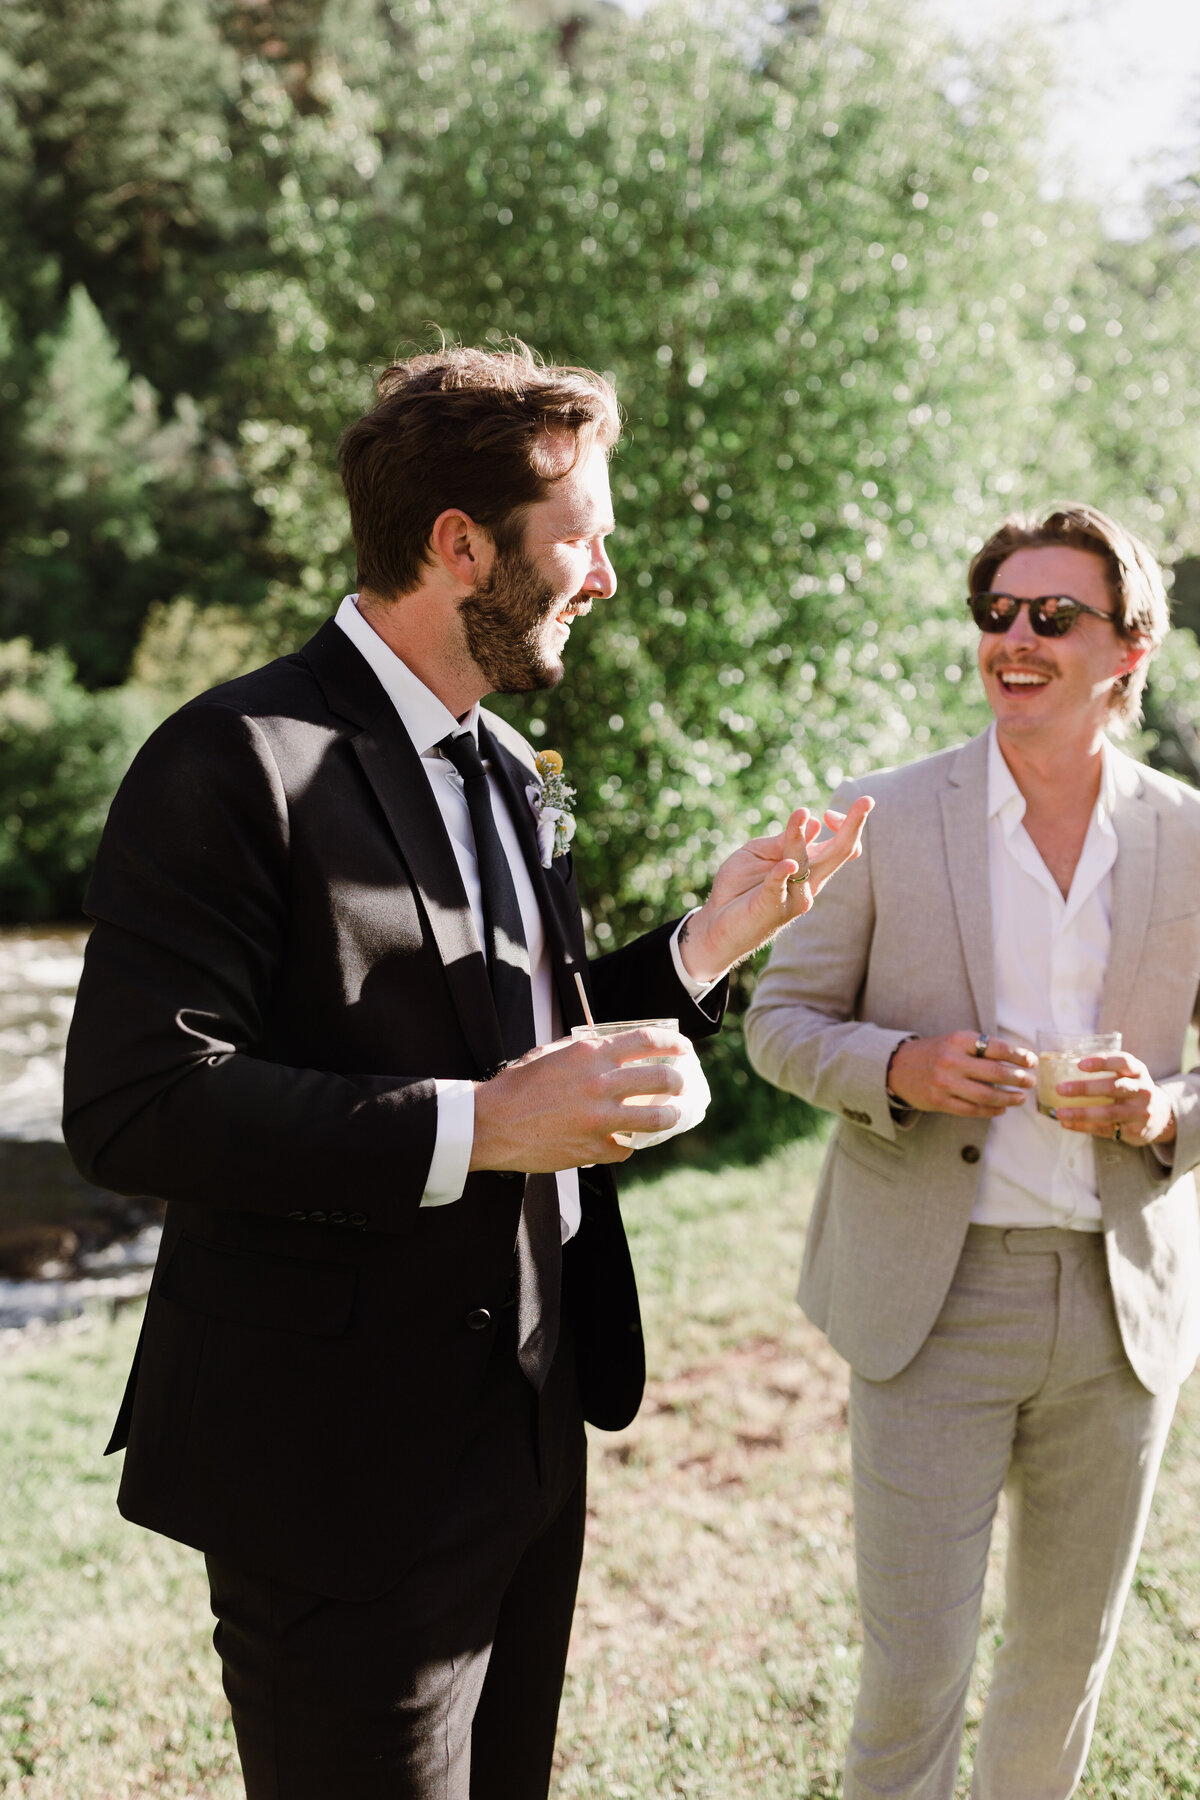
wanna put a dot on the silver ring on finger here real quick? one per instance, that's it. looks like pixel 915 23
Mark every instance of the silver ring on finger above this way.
pixel 981 1044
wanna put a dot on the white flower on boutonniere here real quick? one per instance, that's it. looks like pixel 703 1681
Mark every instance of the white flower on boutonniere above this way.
pixel 551 802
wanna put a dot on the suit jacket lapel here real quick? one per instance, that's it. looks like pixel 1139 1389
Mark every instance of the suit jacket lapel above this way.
pixel 512 777
pixel 393 768
pixel 1136 825
pixel 964 822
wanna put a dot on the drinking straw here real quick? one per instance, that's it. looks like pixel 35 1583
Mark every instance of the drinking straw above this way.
pixel 583 1000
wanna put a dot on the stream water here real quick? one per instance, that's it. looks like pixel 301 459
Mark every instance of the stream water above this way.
pixel 39 973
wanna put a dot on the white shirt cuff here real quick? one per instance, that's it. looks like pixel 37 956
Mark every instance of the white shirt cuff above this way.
pixel 696 989
pixel 451 1160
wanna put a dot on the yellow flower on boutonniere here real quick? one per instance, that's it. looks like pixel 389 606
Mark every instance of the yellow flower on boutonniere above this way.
pixel 551 803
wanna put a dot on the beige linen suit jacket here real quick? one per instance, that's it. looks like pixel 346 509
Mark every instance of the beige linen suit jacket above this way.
pixel 902 945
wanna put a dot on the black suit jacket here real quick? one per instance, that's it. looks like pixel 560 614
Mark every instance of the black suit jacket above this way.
pixel 282 964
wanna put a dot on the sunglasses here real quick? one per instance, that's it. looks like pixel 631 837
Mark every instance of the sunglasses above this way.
pixel 1052 615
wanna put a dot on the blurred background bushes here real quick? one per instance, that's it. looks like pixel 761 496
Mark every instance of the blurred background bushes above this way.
pixel 848 329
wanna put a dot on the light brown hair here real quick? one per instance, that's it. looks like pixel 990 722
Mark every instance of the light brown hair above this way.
pixel 469 428
pixel 1132 573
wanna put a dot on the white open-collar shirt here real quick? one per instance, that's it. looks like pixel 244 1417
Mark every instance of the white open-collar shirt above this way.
pixel 427 721
pixel 1050 957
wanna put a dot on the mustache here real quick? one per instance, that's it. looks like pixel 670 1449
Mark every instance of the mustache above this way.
pixel 1030 664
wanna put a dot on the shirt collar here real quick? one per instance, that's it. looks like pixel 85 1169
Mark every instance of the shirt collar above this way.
pixel 1006 801
pixel 425 718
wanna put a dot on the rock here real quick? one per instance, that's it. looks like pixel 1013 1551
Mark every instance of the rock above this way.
pixel 36 1252
pixel 39 1185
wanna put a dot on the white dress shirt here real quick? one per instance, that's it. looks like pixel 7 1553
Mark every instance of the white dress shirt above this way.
pixel 427 721
pixel 1050 956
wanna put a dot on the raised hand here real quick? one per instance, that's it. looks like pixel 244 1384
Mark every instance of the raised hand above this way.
pixel 763 886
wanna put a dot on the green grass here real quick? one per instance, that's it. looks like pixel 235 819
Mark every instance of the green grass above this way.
pixel 716 1647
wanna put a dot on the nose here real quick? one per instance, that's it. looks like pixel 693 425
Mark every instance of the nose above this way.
pixel 1021 632
pixel 601 577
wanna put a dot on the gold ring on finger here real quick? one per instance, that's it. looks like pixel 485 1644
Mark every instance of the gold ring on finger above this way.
pixel 801 875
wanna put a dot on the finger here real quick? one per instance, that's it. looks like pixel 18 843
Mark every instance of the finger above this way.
pixel 644 1079
pixel 996 1049
pixel 856 817
pixel 1117 1064
pixel 793 834
pixel 648 1118
pixel 970 1109
pixel 1101 1119
pixel 791 841
pixel 1120 1088
pixel 781 889
pixel 994 1095
pixel 609 1151
pixel 641 1041
pixel 998 1074
pixel 845 843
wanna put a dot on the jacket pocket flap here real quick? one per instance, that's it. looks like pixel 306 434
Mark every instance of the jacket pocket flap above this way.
pixel 273 1293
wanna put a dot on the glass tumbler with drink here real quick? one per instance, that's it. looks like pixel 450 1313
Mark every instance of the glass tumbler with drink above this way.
pixel 693 1102
pixel 1059 1054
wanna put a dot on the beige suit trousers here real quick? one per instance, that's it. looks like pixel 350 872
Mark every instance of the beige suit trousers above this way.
pixel 1022 1384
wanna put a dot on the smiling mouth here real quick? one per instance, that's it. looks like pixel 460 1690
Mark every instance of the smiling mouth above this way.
pixel 1021 681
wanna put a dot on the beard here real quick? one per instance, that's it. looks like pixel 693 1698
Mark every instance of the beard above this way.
pixel 504 622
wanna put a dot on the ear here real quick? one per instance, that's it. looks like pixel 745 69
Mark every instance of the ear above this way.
pixel 460 547
pixel 1135 655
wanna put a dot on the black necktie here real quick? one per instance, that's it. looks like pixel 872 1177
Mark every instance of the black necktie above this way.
pixel 503 933
pixel 539 1235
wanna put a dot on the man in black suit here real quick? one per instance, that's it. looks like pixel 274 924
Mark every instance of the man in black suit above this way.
pixel 319 1017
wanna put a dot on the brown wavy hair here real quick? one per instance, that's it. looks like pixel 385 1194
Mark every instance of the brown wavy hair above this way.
pixel 469 428
pixel 1134 578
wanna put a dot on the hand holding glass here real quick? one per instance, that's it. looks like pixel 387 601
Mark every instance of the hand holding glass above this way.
pixel 692 1103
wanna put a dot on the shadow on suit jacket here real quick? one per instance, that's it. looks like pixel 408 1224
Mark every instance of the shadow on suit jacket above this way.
pixel 283 963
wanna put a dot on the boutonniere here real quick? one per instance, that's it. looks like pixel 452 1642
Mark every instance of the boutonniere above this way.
pixel 551 802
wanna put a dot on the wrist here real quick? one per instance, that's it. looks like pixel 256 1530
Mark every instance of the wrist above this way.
pixel 1169 1131
pixel 896 1100
pixel 695 951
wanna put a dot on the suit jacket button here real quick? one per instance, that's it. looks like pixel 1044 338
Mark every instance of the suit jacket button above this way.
pixel 299 1217
pixel 971 1153
pixel 478 1319
pixel 316 1218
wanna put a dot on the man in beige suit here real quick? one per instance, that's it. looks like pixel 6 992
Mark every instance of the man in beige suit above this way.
pixel 1018 1295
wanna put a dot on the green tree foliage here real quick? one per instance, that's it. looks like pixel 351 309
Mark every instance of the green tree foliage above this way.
pixel 848 330
pixel 124 209
pixel 848 333
pixel 62 752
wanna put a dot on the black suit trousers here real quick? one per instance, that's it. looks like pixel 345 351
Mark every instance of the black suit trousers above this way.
pixel 447 1686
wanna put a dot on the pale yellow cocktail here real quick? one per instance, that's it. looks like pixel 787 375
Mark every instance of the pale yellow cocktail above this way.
pixel 1059 1055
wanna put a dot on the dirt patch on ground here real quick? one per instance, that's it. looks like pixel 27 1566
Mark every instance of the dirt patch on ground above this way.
pixel 715 1520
